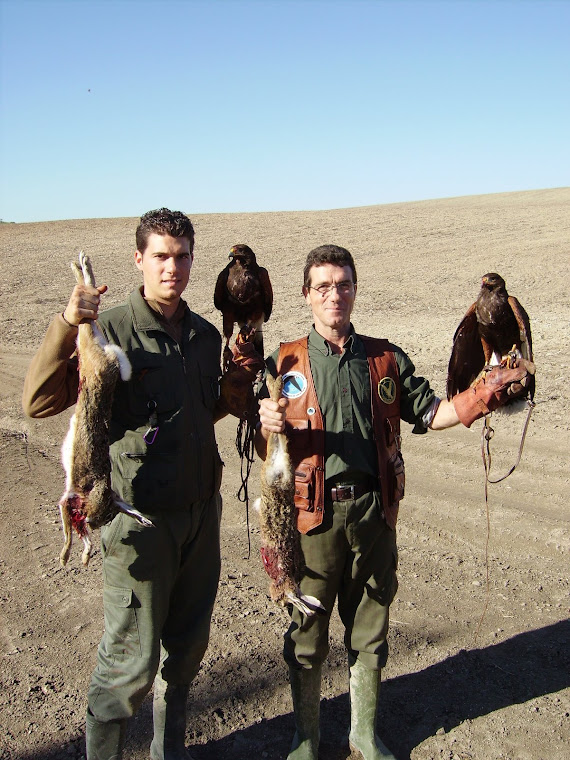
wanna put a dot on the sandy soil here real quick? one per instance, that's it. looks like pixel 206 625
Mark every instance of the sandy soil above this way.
pixel 460 684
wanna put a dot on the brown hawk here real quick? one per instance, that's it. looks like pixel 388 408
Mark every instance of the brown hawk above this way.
pixel 244 295
pixel 495 330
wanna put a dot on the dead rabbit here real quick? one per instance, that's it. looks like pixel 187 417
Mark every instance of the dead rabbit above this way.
pixel 88 501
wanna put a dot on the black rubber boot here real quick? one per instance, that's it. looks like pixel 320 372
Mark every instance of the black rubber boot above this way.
pixel 169 718
pixel 104 741
pixel 364 688
pixel 306 692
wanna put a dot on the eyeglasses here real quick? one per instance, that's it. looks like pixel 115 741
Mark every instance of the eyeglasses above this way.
pixel 343 288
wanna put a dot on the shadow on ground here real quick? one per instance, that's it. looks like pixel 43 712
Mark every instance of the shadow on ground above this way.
pixel 466 686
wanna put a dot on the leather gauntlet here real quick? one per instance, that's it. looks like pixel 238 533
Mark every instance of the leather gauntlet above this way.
pixel 493 390
pixel 236 386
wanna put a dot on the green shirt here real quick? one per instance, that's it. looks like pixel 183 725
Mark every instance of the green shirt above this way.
pixel 342 383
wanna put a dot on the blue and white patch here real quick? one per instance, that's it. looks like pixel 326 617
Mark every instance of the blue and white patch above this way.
pixel 294 384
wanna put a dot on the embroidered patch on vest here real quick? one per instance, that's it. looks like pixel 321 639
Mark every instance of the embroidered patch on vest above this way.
pixel 294 384
pixel 387 390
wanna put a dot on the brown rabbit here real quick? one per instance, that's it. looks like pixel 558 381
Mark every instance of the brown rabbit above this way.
pixel 88 501
pixel 281 549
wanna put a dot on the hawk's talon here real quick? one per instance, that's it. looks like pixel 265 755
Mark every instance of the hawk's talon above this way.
pixel 511 359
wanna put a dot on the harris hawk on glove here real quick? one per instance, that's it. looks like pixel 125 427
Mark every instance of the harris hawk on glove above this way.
pixel 494 331
pixel 244 295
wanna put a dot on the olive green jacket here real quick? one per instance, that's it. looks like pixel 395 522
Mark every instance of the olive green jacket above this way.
pixel 162 442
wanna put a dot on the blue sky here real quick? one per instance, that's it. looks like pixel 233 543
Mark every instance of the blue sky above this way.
pixel 114 107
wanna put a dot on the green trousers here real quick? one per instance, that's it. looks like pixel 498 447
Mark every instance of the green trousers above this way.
pixel 160 585
pixel 351 557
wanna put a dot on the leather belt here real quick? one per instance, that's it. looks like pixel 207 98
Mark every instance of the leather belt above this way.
pixel 349 491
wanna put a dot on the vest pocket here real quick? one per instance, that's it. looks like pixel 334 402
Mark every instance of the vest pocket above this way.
pixel 210 391
pixel 396 477
pixel 395 465
pixel 305 487
pixel 147 481
pixel 155 381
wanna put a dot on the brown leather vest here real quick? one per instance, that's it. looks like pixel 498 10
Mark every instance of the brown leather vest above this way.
pixel 305 429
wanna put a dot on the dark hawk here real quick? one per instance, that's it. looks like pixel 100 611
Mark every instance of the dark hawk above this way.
pixel 494 331
pixel 244 295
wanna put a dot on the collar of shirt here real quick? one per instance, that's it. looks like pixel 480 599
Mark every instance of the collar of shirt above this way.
pixel 317 342
pixel 173 326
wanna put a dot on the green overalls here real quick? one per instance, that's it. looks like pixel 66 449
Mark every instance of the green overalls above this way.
pixel 160 582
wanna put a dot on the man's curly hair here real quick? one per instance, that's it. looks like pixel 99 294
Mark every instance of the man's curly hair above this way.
pixel 328 254
pixel 163 221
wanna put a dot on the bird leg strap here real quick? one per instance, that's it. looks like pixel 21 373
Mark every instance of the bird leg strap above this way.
pixel 486 435
pixel 238 397
pixel 493 390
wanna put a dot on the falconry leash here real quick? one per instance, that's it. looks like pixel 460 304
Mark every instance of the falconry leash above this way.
pixel 486 435
pixel 245 446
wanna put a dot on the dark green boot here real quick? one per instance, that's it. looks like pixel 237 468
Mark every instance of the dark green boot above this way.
pixel 169 718
pixel 306 692
pixel 364 692
pixel 104 741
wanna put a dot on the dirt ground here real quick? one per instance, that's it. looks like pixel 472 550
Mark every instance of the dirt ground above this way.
pixel 474 673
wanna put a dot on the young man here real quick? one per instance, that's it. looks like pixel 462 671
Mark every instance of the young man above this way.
pixel 344 397
pixel 160 582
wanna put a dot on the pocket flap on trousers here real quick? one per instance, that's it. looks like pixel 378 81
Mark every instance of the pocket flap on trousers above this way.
pixel 120 597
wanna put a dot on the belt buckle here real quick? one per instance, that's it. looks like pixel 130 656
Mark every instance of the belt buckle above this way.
pixel 344 493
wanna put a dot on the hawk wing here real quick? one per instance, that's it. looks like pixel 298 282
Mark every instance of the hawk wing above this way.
pixel 220 291
pixel 266 293
pixel 524 326
pixel 467 356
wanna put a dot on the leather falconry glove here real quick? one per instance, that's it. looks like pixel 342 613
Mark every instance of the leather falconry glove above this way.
pixel 236 386
pixel 493 390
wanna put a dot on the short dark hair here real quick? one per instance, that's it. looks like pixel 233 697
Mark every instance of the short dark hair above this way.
pixel 163 221
pixel 328 254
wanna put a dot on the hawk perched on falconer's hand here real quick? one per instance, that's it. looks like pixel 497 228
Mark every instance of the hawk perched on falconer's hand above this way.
pixel 244 296
pixel 494 331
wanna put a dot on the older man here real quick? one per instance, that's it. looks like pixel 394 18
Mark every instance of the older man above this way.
pixel 344 397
